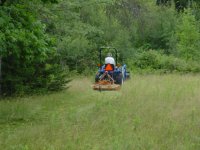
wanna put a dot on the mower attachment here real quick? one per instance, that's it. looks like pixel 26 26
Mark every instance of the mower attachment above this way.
pixel 105 86
pixel 106 82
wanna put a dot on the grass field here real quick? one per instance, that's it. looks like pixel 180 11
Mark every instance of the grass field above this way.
pixel 150 112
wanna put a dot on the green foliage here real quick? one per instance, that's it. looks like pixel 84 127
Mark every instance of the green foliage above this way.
pixel 179 4
pixel 154 61
pixel 39 39
pixel 82 27
pixel 188 36
pixel 81 32
pixel 156 34
pixel 25 50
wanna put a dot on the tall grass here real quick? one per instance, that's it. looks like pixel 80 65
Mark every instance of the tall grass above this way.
pixel 149 112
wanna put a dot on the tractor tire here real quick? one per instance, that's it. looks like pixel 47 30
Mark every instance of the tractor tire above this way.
pixel 119 79
pixel 97 78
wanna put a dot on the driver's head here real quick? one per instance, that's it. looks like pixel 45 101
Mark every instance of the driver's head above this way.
pixel 109 55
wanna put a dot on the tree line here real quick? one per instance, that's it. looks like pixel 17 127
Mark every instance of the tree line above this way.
pixel 42 41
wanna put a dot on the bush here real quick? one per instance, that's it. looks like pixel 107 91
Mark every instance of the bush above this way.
pixel 29 59
pixel 152 60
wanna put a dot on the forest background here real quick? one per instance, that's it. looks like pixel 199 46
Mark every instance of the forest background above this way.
pixel 42 42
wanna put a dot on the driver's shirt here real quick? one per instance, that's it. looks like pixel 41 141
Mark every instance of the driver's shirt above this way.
pixel 110 60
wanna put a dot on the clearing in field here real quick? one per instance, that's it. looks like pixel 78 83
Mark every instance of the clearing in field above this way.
pixel 149 112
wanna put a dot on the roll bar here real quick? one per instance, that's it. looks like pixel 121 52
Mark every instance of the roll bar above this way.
pixel 102 48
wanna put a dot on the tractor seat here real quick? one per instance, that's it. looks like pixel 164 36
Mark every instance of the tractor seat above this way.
pixel 109 67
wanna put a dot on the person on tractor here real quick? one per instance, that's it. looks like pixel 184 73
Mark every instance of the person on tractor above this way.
pixel 109 59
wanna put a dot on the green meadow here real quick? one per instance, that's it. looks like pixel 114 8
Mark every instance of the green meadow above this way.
pixel 150 112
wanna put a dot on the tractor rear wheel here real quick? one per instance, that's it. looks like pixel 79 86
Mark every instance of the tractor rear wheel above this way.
pixel 97 78
pixel 119 79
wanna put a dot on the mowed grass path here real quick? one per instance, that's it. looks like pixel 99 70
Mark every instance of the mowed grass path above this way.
pixel 150 112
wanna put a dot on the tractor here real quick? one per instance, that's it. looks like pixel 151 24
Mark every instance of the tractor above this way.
pixel 110 76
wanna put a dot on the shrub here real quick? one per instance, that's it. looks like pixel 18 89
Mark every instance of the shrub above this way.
pixel 26 51
pixel 152 60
